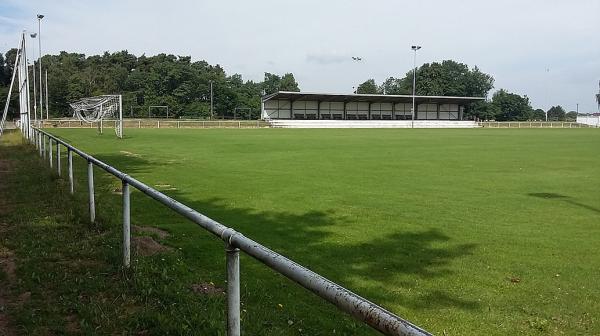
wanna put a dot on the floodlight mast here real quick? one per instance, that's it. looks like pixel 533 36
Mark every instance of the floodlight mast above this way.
pixel 414 48
pixel 33 35
pixel 40 17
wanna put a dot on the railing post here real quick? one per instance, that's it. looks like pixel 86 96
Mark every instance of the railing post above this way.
pixel 50 151
pixel 91 191
pixel 233 290
pixel 126 225
pixel 44 145
pixel 70 164
pixel 58 158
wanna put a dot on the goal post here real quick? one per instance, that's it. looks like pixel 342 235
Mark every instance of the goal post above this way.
pixel 153 107
pixel 100 108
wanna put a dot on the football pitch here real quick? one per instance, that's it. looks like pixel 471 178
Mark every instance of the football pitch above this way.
pixel 463 232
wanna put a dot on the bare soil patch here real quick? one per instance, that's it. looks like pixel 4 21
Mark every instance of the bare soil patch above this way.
pixel 7 264
pixel 72 325
pixel 207 288
pixel 162 234
pixel 147 246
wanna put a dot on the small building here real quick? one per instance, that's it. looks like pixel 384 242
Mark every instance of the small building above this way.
pixel 329 106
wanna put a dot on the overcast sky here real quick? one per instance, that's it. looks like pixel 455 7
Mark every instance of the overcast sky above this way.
pixel 546 49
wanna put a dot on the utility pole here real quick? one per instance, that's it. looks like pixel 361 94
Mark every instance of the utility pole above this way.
pixel 212 114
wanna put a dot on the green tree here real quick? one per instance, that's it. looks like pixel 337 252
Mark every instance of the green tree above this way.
pixel 4 75
pixel 483 110
pixel 538 115
pixel 393 86
pixel 511 106
pixel 288 83
pixel 556 113
pixel 273 83
pixel 368 87
pixel 163 79
pixel 450 78
pixel 571 116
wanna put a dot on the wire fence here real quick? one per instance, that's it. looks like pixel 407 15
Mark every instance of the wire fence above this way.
pixel 155 123
pixel 360 308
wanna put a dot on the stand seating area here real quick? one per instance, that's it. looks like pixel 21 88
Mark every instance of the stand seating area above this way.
pixel 281 123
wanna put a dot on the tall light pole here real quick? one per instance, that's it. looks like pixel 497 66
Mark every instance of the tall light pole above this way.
pixel 356 59
pixel 412 112
pixel 40 17
pixel 33 35
pixel 547 92
pixel 46 86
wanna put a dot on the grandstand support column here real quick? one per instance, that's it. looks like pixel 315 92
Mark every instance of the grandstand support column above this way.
pixel 344 116
pixel 438 111
pixel 318 110
pixel 92 206
pixel 233 290
pixel 369 113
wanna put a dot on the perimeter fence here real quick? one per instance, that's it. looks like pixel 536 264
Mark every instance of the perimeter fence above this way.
pixel 532 124
pixel 155 123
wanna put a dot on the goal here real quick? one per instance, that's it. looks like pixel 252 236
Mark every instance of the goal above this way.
pixel 100 108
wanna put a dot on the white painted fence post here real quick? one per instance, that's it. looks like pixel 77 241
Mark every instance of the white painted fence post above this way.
pixel 92 205
pixel 126 225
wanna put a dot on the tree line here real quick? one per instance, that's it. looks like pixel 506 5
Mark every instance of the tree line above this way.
pixel 450 78
pixel 162 80
pixel 184 86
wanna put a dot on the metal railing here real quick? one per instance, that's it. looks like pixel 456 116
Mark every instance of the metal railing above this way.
pixel 360 308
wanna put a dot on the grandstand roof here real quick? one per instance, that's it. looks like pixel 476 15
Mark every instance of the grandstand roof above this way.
pixel 372 98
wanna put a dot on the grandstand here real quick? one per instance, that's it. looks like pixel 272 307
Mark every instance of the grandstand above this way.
pixel 285 105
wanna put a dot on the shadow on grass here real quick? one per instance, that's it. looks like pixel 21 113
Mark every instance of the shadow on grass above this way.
pixel 389 264
pixel 566 199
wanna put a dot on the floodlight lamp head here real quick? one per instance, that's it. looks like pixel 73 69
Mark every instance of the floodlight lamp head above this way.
pixel 33 35
pixel 415 47
pixel 40 16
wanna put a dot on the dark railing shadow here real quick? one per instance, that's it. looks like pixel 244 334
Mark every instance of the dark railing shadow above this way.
pixel 566 199
pixel 303 238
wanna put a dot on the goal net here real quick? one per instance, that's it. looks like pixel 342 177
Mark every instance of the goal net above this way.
pixel 100 108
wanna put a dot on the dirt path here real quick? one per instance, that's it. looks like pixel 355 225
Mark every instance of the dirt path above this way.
pixel 7 258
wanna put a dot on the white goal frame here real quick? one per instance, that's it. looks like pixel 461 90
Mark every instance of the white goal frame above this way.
pixel 100 108
pixel 155 107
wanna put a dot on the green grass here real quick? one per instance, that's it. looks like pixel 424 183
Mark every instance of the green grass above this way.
pixel 464 232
